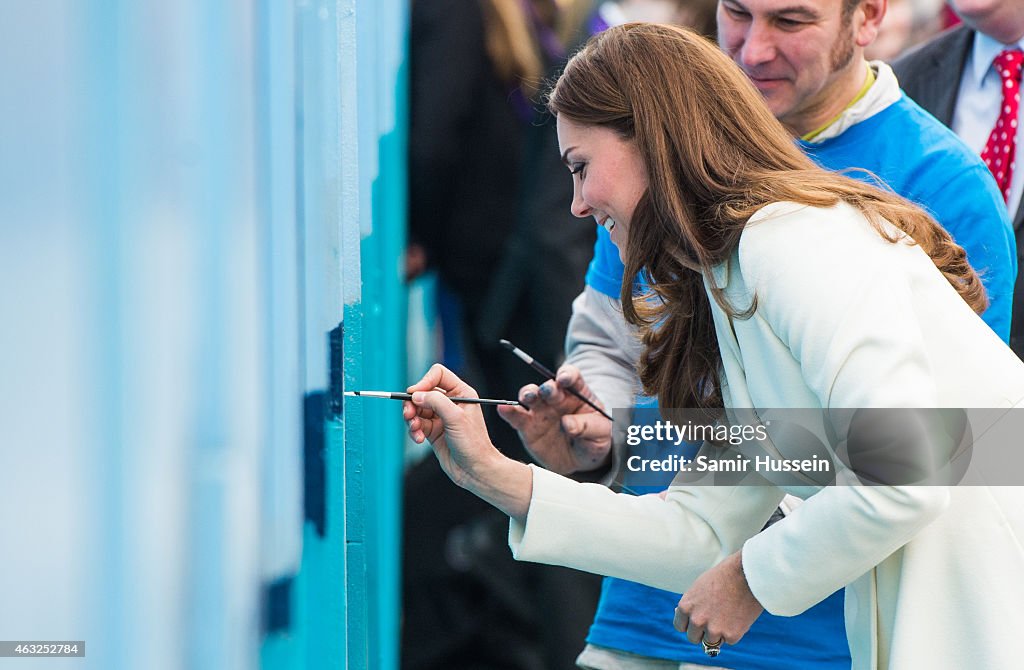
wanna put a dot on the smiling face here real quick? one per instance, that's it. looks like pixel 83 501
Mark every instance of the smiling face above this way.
pixel 608 176
pixel 806 58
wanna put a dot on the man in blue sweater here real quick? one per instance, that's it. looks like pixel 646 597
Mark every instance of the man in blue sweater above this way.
pixel 807 60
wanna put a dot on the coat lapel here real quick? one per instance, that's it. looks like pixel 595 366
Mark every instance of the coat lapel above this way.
pixel 732 359
pixel 941 88
pixel 930 74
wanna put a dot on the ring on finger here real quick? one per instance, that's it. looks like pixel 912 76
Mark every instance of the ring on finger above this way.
pixel 712 649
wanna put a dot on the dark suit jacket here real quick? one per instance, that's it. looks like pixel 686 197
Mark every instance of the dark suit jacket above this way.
pixel 930 75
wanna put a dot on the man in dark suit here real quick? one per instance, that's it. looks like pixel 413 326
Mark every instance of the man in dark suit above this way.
pixel 969 78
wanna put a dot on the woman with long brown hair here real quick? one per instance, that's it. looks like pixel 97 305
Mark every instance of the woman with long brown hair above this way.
pixel 769 284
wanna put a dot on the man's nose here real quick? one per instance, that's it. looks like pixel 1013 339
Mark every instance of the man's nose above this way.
pixel 758 46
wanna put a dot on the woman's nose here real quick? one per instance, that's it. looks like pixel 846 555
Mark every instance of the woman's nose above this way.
pixel 579 207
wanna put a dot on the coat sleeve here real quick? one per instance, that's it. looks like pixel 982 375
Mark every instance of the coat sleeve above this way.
pixel 841 299
pixel 666 544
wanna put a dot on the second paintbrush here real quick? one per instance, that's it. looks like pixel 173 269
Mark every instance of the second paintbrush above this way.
pixel 532 362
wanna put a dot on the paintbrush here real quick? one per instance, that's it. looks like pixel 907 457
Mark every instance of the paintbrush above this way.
pixel 391 395
pixel 532 362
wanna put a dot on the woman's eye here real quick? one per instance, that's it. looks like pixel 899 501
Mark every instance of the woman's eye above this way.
pixel 577 168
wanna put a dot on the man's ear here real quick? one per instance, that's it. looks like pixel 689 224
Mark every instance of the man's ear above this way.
pixel 867 18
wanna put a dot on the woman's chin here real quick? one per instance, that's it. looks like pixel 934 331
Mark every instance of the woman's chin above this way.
pixel 620 244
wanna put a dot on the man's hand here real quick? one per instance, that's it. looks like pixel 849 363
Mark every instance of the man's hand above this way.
pixel 719 607
pixel 563 433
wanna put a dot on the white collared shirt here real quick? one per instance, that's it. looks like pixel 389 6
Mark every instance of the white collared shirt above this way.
pixel 978 103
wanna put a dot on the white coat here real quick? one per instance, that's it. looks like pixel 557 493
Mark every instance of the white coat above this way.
pixel 845 319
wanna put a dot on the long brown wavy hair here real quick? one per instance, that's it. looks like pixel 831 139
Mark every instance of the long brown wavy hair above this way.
pixel 714 155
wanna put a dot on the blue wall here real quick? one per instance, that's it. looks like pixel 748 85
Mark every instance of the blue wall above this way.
pixel 202 215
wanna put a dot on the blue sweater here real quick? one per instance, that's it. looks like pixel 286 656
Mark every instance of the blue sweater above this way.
pixel 925 162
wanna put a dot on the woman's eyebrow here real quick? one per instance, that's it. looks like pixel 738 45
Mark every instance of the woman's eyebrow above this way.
pixel 565 155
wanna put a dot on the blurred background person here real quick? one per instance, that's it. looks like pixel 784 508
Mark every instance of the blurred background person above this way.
pixel 489 212
pixel 906 24
pixel 696 14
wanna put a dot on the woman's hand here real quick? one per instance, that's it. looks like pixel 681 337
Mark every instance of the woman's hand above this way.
pixel 561 432
pixel 719 607
pixel 461 443
pixel 457 432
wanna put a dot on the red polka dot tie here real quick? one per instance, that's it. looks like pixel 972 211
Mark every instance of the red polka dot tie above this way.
pixel 1001 147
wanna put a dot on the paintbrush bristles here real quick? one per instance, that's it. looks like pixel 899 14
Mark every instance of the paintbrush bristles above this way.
pixel 522 355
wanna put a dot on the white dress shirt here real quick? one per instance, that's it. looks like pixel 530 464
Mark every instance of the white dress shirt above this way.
pixel 978 104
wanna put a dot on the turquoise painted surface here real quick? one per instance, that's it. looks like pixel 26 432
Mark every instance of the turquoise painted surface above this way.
pixel 384 331
pixel 346 595
pixel 381 36
pixel 197 194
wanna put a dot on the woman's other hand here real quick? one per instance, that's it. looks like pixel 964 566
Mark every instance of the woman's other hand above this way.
pixel 563 434
pixel 460 441
pixel 719 607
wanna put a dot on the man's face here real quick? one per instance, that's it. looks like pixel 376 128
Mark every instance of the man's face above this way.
pixel 1000 19
pixel 794 51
